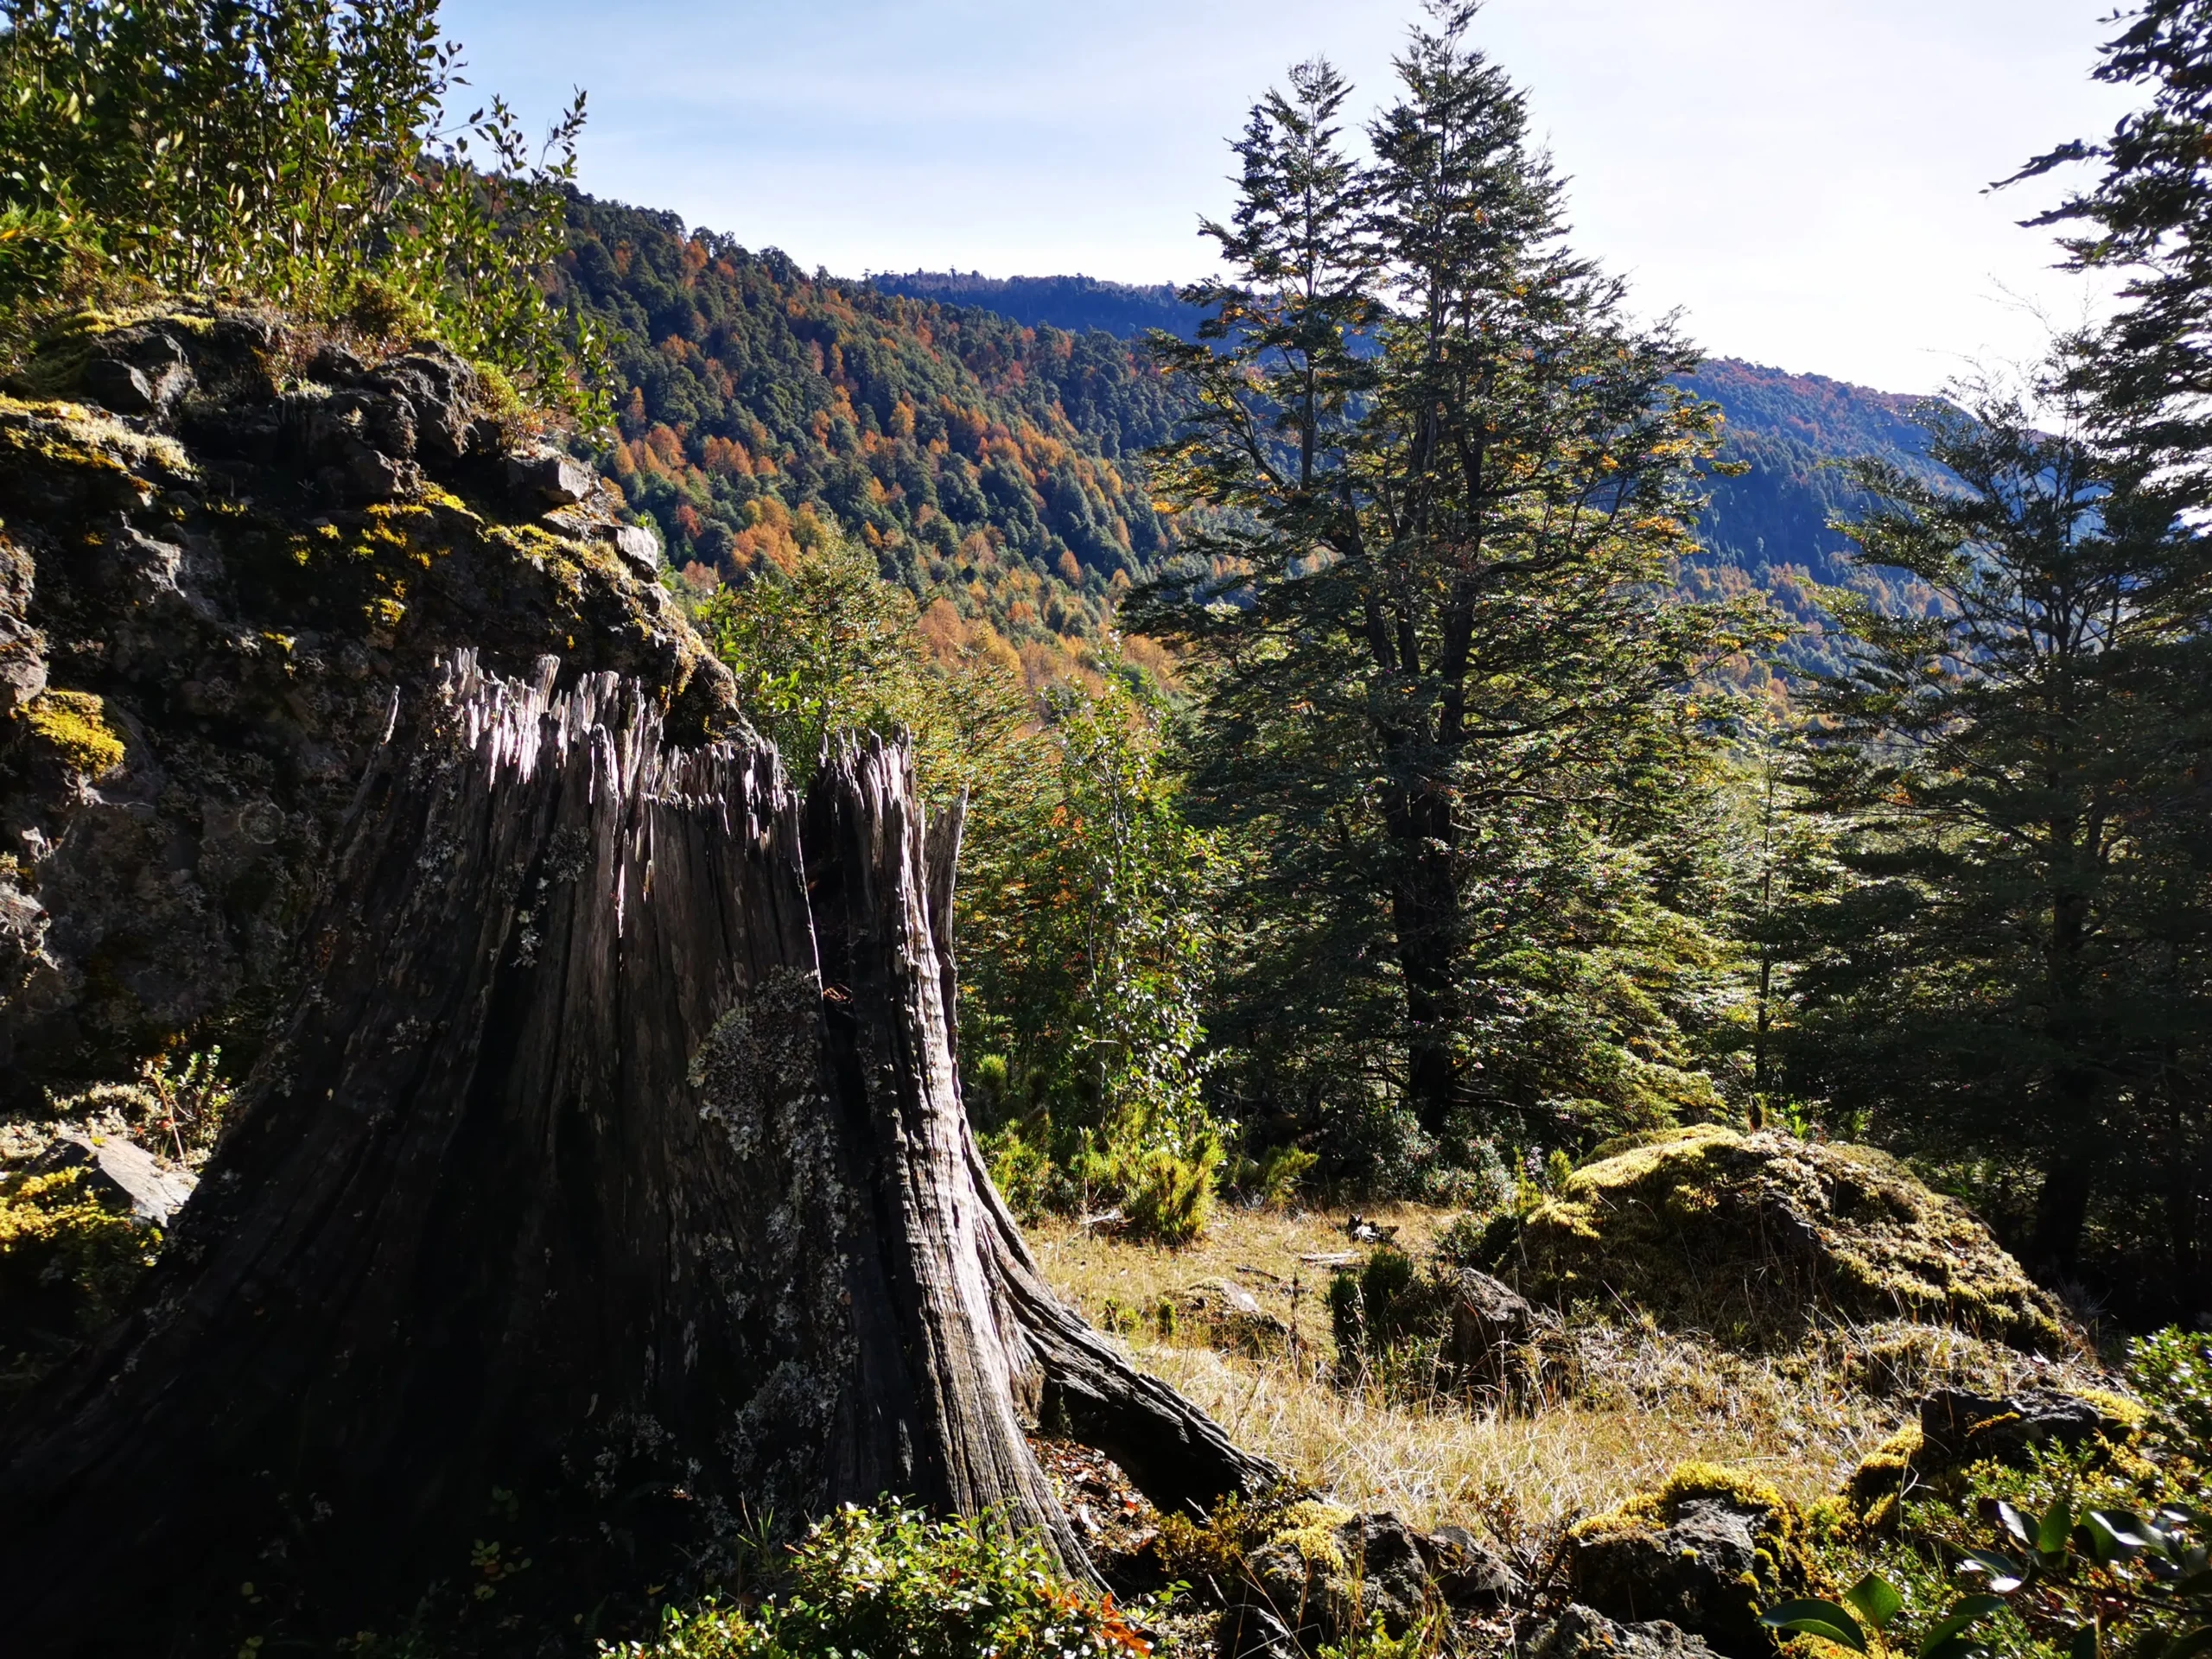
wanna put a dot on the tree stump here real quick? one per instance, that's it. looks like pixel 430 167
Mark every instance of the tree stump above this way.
pixel 608 1192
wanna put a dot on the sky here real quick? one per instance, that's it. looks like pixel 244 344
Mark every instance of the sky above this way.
pixel 1804 179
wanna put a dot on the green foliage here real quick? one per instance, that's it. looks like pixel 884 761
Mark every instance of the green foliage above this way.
pixel 287 150
pixel 1438 655
pixel 2003 969
pixel 2173 1369
pixel 1084 960
pixel 891 1583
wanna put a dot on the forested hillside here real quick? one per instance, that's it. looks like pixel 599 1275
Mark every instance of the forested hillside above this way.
pixel 1773 521
pixel 988 463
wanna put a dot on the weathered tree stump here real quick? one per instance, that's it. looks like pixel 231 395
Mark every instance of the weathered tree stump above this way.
pixel 608 1190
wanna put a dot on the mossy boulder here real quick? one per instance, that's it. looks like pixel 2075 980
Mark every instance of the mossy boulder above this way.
pixel 228 546
pixel 1751 1236
pixel 1957 1428
pixel 1707 1552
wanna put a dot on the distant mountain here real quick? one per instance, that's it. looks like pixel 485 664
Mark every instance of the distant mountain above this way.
pixel 990 464
pixel 1794 429
pixel 1076 304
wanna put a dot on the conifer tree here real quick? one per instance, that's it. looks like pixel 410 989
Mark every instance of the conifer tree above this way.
pixel 1447 476
pixel 2009 974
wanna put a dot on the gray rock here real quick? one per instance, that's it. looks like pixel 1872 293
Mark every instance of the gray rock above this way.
pixel 122 1175
pixel 1379 1568
pixel 549 478
pixel 1958 1427
pixel 1491 1324
pixel 1583 1632
pixel 1468 1573
pixel 1692 1572
pixel 137 371
pixel 638 548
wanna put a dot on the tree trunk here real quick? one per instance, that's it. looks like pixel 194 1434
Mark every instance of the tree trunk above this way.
pixel 608 1192
pixel 1425 916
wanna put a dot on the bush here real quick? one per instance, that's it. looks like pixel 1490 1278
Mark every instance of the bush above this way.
pixel 291 151
pixel 1168 1196
pixel 891 1583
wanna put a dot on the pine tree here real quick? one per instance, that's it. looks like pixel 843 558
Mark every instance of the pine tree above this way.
pixel 2002 976
pixel 1444 478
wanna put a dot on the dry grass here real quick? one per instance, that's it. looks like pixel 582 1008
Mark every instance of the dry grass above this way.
pixel 1637 1402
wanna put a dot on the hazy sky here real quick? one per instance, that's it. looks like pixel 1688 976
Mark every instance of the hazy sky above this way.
pixel 1803 178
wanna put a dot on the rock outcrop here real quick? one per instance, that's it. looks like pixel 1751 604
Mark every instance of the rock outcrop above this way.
pixel 1707 1553
pixel 1748 1235
pixel 228 548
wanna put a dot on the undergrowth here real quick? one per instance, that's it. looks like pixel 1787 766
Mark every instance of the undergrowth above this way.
pixel 890 1582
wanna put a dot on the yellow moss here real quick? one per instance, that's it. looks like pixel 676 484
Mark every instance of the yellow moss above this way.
pixel 73 724
pixel 52 1231
pixel 1309 1526
pixel 61 434
pixel 1691 1224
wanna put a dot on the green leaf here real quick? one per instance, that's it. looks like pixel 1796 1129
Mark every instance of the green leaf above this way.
pixel 2016 1524
pixel 1964 1613
pixel 1876 1600
pixel 2005 1575
pixel 2118 1533
pixel 2050 1532
pixel 1822 1618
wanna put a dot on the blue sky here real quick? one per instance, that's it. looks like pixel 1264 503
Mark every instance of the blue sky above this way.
pixel 1802 178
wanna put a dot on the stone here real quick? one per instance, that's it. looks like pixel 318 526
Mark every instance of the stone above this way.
pixel 1958 1427
pixel 1230 1317
pixel 1583 1632
pixel 1715 1229
pixel 638 548
pixel 137 371
pixel 122 1175
pixel 1467 1573
pixel 1707 1551
pixel 1325 1588
pixel 549 478
pixel 1491 1325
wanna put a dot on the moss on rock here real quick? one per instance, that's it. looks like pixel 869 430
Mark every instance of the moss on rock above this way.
pixel 74 726
pixel 1709 1550
pixel 1748 1235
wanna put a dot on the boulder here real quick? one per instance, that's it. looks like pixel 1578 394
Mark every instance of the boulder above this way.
pixel 1492 1331
pixel 1756 1234
pixel 1583 1632
pixel 546 478
pixel 1957 1428
pixel 1467 1573
pixel 121 1175
pixel 1707 1552
pixel 1328 1577
pixel 1230 1317
pixel 227 594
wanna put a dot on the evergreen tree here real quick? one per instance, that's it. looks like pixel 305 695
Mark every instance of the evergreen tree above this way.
pixel 2006 976
pixel 1445 476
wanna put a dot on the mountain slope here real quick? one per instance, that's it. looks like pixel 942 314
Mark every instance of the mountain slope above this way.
pixel 988 464
pixel 1771 523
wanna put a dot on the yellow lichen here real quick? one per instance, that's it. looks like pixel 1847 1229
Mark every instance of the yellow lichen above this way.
pixel 52 1234
pixel 1309 1527
pixel 73 725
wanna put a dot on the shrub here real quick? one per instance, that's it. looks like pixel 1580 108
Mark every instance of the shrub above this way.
pixel 891 1583
pixel 66 1259
pixel 1168 1197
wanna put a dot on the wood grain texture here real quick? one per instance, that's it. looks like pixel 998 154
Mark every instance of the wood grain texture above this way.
pixel 608 1185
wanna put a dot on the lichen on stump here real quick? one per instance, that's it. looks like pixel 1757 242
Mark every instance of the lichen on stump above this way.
pixel 607 1186
pixel 1747 1236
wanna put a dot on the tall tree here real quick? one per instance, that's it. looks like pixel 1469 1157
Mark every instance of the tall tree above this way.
pixel 1447 475
pixel 1996 979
